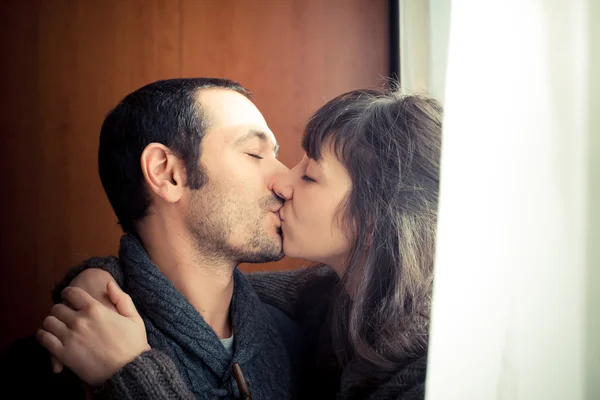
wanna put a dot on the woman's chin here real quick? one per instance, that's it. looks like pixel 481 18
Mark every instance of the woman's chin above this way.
pixel 287 249
pixel 292 251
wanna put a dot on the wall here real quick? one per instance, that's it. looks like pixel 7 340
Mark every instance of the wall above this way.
pixel 66 63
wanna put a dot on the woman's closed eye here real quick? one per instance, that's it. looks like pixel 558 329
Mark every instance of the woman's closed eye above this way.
pixel 307 178
pixel 255 156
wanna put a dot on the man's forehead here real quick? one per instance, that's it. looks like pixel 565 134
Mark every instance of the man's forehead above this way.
pixel 228 107
pixel 233 114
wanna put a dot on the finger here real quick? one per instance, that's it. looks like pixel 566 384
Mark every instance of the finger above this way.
pixel 64 313
pixel 121 300
pixel 57 366
pixel 78 297
pixel 93 281
pixel 56 327
pixel 50 342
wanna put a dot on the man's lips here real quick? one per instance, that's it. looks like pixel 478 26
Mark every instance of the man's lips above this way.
pixel 278 223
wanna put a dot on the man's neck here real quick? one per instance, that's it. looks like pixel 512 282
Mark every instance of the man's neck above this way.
pixel 207 283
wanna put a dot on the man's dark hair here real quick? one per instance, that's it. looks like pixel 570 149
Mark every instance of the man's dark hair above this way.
pixel 165 112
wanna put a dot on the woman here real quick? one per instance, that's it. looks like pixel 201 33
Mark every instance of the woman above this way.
pixel 372 167
pixel 362 204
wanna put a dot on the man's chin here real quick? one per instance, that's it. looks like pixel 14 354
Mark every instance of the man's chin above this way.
pixel 263 258
pixel 271 255
pixel 270 251
pixel 279 256
pixel 262 248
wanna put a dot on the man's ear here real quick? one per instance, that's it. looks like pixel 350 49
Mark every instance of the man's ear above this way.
pixel 163 172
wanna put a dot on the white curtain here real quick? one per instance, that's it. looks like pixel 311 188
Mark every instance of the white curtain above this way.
pixel 516 310
pixel 424 26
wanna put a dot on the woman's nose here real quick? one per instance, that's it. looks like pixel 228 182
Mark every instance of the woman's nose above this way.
pixel 281 184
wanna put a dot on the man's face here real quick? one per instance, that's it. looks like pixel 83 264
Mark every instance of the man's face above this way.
pixel 234 215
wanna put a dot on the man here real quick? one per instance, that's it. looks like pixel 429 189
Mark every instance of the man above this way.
pixel 185 165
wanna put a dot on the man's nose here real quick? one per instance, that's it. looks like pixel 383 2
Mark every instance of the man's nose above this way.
pixel 281 184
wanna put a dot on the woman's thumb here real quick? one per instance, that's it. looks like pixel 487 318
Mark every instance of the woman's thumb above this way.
pixel 121 300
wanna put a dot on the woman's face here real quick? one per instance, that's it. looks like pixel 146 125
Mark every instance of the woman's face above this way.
pixel 311 219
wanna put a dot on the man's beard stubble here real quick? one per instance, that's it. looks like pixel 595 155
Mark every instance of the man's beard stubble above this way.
pixel 212 220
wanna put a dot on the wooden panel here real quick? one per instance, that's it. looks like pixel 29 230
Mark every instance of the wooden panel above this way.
pixel 19 179
pixel 65 63
pixel 293 55
pixel 71 61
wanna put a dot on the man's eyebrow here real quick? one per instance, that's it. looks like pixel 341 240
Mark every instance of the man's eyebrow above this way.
pixel 252 133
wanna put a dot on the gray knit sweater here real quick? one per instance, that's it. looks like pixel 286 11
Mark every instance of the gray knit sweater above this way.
pixel 324 377
pixel 153 375
pixel 188 360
